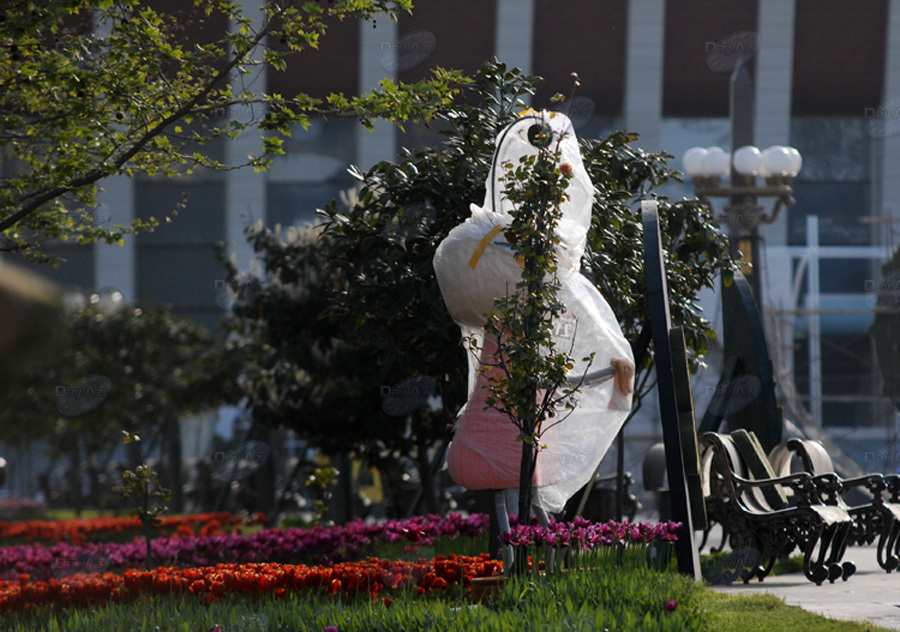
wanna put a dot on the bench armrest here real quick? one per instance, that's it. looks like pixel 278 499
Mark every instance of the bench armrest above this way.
pixel 806 488
pixel 892 482
pixel 874 483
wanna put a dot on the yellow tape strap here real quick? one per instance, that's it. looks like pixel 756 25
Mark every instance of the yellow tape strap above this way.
pixel 482 245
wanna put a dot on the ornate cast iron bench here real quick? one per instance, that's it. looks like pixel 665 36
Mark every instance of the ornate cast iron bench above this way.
pixel 875 520
pixel 744 495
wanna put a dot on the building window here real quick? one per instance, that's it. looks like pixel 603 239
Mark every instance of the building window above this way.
pixel 176 263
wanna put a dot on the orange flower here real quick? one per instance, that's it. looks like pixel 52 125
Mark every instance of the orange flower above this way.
pixel 210 583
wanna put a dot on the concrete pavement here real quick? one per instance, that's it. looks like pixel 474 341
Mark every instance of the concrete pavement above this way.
pixel 870 595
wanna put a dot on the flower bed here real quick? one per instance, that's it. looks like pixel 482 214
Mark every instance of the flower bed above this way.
pixel 283 546
pixel 583 534
pixel 81 530
pixel 581 543
pixel 371 577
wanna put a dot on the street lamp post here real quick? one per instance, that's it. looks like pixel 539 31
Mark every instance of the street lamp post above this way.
pixel 777 165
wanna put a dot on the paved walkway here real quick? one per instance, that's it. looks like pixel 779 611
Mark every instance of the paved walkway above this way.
pixel 869 595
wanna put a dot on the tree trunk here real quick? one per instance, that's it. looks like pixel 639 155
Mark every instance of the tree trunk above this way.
pixel 75 474
pixel 426 478
pixel 267 485
pixel 526 475
pixel 342 499
pixel 173 449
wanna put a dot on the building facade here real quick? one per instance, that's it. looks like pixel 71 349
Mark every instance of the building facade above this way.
pixel 827 81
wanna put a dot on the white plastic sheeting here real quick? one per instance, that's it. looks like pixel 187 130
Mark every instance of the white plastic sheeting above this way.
pixel 474 266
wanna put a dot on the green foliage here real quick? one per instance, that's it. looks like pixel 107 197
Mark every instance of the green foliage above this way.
pixel 301 374
pixel 93 88
pixel 141 485
pixel 695 252
pixel 160 366
pixel 322 480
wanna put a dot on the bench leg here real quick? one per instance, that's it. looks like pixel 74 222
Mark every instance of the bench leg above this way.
pixel 843 537
pixel 816 571
pixel 887 559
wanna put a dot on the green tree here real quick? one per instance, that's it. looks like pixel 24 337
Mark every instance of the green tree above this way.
pixel 135 368
pixel 382 247
pixel 533 387
pixel 147 495
pixel 304 375
pixel 93 88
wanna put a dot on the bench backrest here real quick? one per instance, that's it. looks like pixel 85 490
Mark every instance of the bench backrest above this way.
pixel 754 456
pixel 816 459
pixel 781 458
pixel 719 446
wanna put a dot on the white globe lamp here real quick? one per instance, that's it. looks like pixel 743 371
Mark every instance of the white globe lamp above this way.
pixel 747 160
pixel 717 162
pixel 693 161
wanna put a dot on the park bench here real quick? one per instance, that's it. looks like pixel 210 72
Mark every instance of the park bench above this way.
pixel 877 519
pixel 774 514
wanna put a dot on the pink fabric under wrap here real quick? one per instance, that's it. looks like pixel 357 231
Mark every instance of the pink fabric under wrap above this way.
pixel 485 452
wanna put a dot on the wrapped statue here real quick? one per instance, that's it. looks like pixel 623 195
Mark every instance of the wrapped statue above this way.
pixel 475 265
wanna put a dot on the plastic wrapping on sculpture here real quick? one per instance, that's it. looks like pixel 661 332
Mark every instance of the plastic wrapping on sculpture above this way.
pixel 476 265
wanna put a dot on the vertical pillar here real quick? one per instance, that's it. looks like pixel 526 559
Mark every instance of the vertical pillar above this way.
pixel 114 265
pixel 514 35
pixel 774 73
pixel 887 185
pixel 815 334
pixel 245 189
pixel 644 71
pixel 774 77
pixel 381 143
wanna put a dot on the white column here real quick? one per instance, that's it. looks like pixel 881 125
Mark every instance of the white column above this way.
pixel 514 35
pixel 774 72
pixel 887 182
pixel 381 143
pixel 774 76
pixel 644 71
pixel 245 189
pixel 114 265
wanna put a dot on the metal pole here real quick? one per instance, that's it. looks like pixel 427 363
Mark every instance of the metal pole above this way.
pixel 743 214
